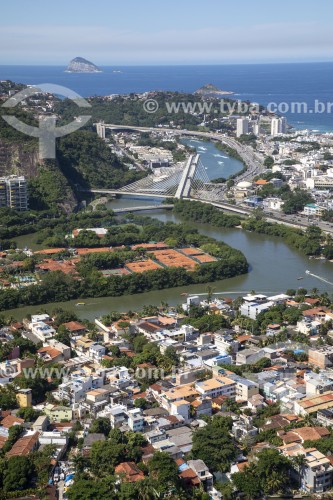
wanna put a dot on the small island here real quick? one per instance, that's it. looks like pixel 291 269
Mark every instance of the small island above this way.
pixel 210 89
pixel 81 65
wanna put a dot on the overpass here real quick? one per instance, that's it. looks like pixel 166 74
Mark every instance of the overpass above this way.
pixel 142 208
pixel 252 160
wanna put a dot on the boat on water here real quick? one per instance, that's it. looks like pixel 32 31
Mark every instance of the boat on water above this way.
pixel 80 304
pixel 300 278
pixel 307 272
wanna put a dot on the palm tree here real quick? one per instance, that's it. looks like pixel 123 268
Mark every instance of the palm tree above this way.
pixel 275 482
pixel 146 491
pixel 210 291
pixel 299 462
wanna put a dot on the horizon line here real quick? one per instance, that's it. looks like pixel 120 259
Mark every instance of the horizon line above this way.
pixel 178 64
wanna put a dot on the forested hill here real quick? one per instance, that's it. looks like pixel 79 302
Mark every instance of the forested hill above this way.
pixel 82 159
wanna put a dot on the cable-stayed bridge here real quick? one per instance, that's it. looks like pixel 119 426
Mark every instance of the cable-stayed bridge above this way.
pixel 189 181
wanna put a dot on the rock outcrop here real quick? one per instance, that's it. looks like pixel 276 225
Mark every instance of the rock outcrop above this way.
pixel 81 65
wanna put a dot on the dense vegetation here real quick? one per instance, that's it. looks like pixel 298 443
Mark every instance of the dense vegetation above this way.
pixel 83 160
pixel 214 445
pixel 130 110
pixel 200 212
pixel 307 242
pixel 55 286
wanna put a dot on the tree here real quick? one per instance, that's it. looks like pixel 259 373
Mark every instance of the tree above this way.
pixel 114 351
pixel 140 403
pixel 17 474
pixel 214 445
pixel 105 455
pixel 86 489
pixel 14 433
pixel 63 335
pixel 100 425
pixel 269 162
pixel 247 482
pixel 28 413
pixel 8 398
pixel 163 471
pixel 299 462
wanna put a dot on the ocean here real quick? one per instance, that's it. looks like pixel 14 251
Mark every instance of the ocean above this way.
pixel 280 84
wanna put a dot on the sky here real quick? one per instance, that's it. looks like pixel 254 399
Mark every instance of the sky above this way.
pixel 151 32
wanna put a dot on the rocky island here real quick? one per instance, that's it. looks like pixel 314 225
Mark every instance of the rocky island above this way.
pixel 81 65
pixel 210 89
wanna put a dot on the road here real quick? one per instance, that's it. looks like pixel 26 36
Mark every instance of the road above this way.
pixel 252 159
pixel 60 490
pixel 254 164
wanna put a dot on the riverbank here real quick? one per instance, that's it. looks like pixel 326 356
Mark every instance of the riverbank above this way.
pixel 274 267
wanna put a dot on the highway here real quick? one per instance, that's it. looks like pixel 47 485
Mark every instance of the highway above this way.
pixel 252 160
pixel 254 164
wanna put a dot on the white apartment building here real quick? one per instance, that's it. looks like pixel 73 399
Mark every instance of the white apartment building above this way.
pixel 13 192
pixel 215 387
pixel 278 126
pixel 42 330
pixel 242 126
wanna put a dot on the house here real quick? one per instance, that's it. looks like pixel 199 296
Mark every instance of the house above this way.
pixel 24 398
pixel 41 423
pixel 318 383
pixel 75 327
pixel 187 392
pixel 24 445
pixel 187 475
pixel 181 408
pixel 96 352
pixel 129 472
pixel 308 327
pixel 243 429
pixel 42 330
pixel 256 402
pixel 301 434
pixel 135 420
pixel 202 406
pixel 57 413
pixel 11 420
pixel 90 439
pixel 315 476
pixel 202 471
pixel 63 348
pixel 50 354
pixel 252 309
pixel 245 388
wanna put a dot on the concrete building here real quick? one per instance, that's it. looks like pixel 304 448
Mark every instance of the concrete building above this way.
pixel 135 420
pixel 58 413
pixel 13 192
pixel 252 309
pixel 248 356
pixel 215 387
pixel 278 126
pixel 321 357
pixel 318 472
pixel 242 125
pixel 24 398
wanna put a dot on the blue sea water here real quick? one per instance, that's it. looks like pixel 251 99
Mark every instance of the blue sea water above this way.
pixel 261 83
